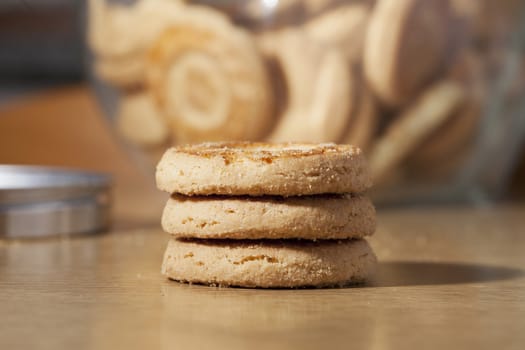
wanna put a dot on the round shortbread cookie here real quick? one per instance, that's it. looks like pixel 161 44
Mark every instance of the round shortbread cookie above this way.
pixel 269 264
pixel 343 27
pixel 120 36
pixel 405 46
pixel 139 120
pixel 243 168
pixel 320 89
pixel 413 126
pixel 308 217
pixel 209 79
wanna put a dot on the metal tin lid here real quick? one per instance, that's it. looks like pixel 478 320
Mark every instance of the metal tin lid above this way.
pixel 41 201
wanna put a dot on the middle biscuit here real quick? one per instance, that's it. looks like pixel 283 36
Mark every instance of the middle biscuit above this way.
pixel 308 217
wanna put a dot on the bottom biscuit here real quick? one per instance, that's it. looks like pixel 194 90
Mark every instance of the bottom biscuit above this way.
pixel 269 264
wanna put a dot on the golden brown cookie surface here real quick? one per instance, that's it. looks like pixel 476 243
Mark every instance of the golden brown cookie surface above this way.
pixel 269 217
pixel 269 264
pixel 242 168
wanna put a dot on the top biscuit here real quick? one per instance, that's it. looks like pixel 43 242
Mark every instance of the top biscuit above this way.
pixel 255 169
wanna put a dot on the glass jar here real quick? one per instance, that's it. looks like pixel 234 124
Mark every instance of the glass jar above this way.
pixel 431 90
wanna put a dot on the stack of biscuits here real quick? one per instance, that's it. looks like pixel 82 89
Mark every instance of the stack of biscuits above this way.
pixel 267 215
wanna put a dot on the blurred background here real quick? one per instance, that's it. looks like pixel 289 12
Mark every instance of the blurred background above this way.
pixel 42 45
pixel 433 91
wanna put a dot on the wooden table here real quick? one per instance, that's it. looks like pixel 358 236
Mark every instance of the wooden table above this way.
pixel 450 277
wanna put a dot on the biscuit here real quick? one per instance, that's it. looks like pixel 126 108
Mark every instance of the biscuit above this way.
pixel 320 87
pixel 209 79
pixel 116 30
pixel 120 35
pixel 243 168
pixel 414 125
pixel 269 264
pixel 459 130
pixel 450 137
pixel 268 217
pixel 405 46
pixel 139 121
pixel 343 27
pixel 125 73
pixel 364 121
pixel 106 25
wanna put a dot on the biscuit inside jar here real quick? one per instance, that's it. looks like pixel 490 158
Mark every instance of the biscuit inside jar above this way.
pixel 197 88
pixel 209 79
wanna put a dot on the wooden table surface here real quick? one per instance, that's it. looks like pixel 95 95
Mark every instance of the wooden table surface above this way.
pixel 449 277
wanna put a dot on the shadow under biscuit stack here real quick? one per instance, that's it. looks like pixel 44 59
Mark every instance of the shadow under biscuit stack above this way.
pixel 267 215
